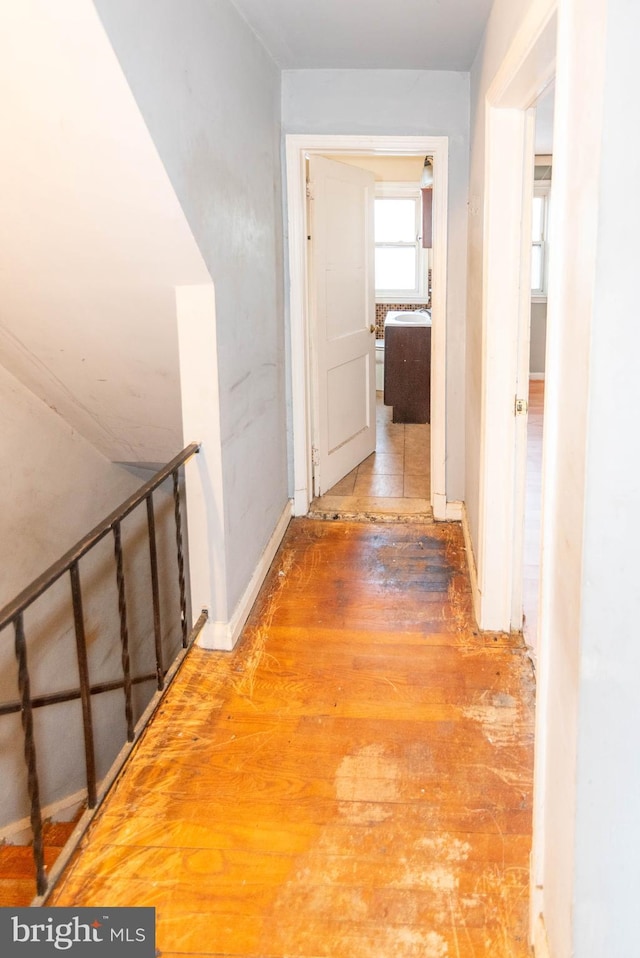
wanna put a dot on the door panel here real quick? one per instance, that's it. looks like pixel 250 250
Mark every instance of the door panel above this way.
pixel 345 303
pixel 347 401
pixel 342 309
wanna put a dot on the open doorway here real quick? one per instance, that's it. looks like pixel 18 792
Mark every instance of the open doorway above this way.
pixel 540 224
pixel 299 148
pixel 527 71
pixel 383 469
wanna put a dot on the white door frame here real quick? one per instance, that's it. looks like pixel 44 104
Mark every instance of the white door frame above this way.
pixel 297 146
pixel 526 72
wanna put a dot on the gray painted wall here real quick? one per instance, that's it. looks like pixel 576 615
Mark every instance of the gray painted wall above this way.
pixel 407 103
pixel 210 96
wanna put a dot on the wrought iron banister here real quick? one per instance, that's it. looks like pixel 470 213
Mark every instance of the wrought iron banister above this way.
pixel 42 583
pixel 13 614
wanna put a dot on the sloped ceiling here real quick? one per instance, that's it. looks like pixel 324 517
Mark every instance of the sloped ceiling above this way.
pixel 369 34
pixel 93 241
pixel 544 121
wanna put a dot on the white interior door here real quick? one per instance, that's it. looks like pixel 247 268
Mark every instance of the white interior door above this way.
pixel 342 309
pixel 523 354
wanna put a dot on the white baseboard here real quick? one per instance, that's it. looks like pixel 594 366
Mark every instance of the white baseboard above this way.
pixel 471 563
pixel 454 511
pixel 19 833
pixel 540 940
pixel 439 506
pixel 301 502
pixel 536 375
pixel 222 636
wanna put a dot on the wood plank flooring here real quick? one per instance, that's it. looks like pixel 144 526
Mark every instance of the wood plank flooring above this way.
pixel 17 869
pixel 354 781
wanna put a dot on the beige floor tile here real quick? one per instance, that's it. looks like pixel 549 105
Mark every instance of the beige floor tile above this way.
pixel 382 464
pixel 416 462
pixel 392 481
pixel 397 505
pixel 329 504
pixel 378 505
pixel 384 415
pixel 374 485
pixel 418 428
pixel 387 441
pixel 417 437
pixel 345 486
pixel 417 487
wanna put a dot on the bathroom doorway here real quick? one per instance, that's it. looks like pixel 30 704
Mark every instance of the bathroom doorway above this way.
pixel 394 482
pixel 396 445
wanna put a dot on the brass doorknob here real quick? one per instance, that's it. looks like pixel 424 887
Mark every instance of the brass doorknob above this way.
pixel 372 328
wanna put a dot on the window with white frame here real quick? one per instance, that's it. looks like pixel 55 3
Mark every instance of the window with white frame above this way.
pixel 399 258
pixel 539 240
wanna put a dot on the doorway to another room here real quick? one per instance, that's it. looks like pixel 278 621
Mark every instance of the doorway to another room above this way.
pixel 540 223
pixel 405 476
pixel 394 481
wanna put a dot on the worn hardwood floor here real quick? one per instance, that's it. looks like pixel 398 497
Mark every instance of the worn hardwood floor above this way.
pixel 353 782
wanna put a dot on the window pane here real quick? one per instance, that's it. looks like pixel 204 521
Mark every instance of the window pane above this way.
pixel 395 220
pixel 396 268
pixel 537 220
pixel 536 267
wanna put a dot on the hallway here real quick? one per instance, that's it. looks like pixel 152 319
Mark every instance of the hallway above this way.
pixel 354 781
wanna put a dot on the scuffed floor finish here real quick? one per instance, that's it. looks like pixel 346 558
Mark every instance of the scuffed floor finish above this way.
pixel 353 782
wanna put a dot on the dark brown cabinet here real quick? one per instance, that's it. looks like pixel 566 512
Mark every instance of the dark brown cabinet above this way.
pixel 407 372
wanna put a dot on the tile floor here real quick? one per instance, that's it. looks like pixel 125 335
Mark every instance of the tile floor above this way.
pixel 394 480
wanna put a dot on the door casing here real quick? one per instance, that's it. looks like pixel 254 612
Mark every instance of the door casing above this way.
pixel 526 71
pixel 297 148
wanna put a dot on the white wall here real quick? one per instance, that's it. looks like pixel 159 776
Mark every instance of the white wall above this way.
pixel 404 102
pixel 92 238
pixel 592 721
pixel 586 835
pixel 210 96
pixel 565 405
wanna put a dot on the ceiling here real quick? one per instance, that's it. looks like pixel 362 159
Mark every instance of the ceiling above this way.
pixel 368 34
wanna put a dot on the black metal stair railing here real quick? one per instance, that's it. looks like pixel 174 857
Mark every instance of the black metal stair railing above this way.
pixel 13 615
